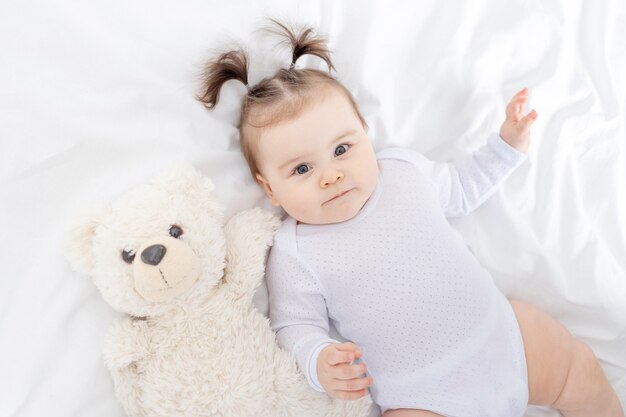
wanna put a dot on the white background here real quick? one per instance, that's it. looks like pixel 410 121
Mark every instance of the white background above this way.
pixel 96 97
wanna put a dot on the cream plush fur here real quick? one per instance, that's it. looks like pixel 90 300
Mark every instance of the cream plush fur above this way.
pixel 192 343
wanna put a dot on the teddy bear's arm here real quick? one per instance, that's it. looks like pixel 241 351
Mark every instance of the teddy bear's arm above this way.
pixel 249 234
pixel 125 349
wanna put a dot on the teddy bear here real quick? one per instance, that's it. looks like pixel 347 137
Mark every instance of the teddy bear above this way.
pixel 190 341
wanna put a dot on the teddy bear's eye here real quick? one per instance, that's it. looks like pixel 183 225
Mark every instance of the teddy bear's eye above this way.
pixel 128 256
pixel 176 231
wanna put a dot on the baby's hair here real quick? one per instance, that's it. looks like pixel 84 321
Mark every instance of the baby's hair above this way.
pixel 228 66
pixel 277 98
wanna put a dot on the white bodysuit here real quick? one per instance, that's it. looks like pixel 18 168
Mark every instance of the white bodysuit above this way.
pixel 399 282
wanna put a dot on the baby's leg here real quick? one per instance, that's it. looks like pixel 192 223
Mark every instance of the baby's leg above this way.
pixel 563 372
pixel 409 412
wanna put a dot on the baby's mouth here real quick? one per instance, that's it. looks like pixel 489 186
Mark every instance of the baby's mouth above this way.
pixel 339 195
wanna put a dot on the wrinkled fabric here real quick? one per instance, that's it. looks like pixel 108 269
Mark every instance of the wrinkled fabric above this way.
pixel 96 97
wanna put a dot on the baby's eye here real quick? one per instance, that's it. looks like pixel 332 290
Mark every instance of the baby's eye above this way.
pixel 341 149
pixel 301 169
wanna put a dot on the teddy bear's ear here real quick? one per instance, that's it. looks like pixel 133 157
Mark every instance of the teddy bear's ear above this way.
pixel 78 243
pixel 184 178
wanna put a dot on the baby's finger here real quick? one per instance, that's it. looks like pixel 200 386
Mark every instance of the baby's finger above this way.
pixel 337 356
pixel 528 120
pixel 513 111
pixel 354 384
pixel 514 108
pixel 523 91
pixel 350 348
pixel 349 395
pixel 346 372
pixel 347 347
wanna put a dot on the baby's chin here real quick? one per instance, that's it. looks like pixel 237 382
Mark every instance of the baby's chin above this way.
pixel 334 214
pixel 325 217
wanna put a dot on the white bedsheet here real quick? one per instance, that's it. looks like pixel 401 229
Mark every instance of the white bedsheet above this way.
pixel 96 97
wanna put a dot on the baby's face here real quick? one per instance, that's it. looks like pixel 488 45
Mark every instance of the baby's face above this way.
pixel 319 166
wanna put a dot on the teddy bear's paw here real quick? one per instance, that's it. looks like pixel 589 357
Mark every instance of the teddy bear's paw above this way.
pixel 126 344
pixel 361 407
pixel 257 225
pixel 353 408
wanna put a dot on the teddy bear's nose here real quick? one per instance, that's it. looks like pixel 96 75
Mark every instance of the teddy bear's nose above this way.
pixel 152 255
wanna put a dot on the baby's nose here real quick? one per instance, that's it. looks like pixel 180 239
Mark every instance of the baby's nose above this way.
pixel 331 179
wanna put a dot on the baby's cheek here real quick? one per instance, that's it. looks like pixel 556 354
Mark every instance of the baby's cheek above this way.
pixel 300 205
pixel 309 210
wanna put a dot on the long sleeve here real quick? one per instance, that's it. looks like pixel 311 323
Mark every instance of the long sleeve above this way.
pixel 464 184
pixel 298 313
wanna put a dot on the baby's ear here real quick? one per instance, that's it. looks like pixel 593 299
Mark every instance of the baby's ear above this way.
pixel 78 243
pixel 268 189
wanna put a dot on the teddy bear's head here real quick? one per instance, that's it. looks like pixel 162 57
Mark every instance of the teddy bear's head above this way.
pixel 148 249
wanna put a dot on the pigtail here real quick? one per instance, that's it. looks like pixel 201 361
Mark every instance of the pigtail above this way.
pixel 306 42
pixel 231 65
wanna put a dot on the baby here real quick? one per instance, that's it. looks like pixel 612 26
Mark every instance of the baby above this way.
pixel 366 244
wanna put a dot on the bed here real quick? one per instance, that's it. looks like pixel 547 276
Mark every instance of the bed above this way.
pixel 96 97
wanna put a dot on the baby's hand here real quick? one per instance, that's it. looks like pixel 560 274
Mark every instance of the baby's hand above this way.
pixel 516 128
pixel 338 376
